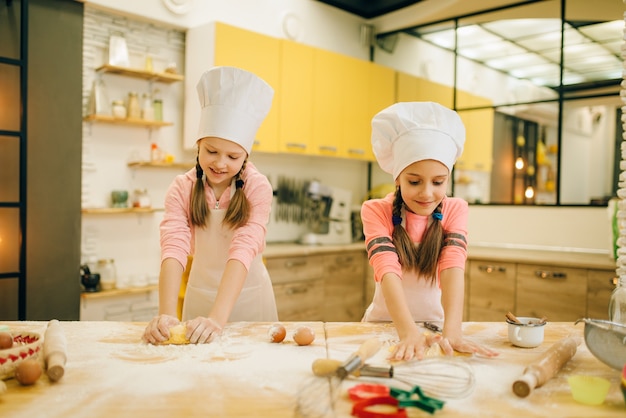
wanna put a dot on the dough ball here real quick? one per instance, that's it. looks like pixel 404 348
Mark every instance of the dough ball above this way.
pixel 178 335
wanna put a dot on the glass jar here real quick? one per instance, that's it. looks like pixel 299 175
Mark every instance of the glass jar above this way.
pixel 141 199
pixel 134 111
pixel 118 109
pixel 147 110
pixel 617 304
pixel 108 274
pixel 158 106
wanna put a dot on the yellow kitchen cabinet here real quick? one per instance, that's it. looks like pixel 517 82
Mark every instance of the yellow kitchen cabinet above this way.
pixel 296 110
pixel 216 44
pixel 559 293
pixel 344 286
pixel 410 88
pixel 355 97
pixel 600 285
pixel 478 150
pixel 381 94
pixel 328 103
pixel 490 290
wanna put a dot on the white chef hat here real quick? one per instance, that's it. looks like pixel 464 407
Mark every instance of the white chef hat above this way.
pixel 408 132
pixel 233 104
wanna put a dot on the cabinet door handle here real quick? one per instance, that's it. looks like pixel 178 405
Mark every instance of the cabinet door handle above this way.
pixel 328 148
pixel 297 290
pixel 296 263
pixel 491 269
pixel 543 274
pixel 356 151
pixel 295 145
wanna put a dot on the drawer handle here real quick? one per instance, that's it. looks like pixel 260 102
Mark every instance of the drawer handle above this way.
pixel 344 260
pixel 298 263
pixel 492 269
pixel 356 151
pixel 543 274
pixel 297 290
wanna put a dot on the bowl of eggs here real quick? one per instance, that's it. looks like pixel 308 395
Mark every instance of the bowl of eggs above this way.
pixel 15 349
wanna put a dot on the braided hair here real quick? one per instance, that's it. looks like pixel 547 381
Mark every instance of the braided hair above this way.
pixel 238 211
pixel 424 256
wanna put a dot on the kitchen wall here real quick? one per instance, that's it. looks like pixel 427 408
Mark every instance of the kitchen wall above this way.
pixel 309 22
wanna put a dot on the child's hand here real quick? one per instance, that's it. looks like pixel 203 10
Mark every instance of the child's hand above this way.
pixel 158 329
pixel 202 330
pixel 462 345
pixel 414 345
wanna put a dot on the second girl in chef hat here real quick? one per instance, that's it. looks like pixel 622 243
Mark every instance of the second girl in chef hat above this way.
pixel 217 213
pixel 416 238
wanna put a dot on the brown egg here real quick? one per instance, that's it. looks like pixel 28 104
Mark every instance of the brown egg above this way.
pixel 277 333
pixel 28 371
pixel 6 340
pixel 303 335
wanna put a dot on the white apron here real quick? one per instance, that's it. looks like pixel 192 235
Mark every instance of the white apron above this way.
pixel 423 297
pixel 256 301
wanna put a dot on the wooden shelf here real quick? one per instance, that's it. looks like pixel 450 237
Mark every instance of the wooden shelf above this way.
pixel 184 166
pixel 118 292
pixel 128 121
pixel 116 211
pixel 137 73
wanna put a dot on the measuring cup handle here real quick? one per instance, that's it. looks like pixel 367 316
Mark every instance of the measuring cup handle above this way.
pixel 518 338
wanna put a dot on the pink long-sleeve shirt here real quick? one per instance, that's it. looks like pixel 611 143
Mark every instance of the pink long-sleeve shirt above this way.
pixel 378 228
pixel 177 232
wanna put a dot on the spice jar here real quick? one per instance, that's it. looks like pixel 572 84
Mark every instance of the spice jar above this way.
pixel 119 110
pixel 147 111
pixel 108 274
pixel 141 199
pixel 158 106
pixel 134 112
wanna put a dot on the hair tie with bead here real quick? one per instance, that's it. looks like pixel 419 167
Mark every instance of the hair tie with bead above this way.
pixel 397 220
pixel 238 183
pixel 438 216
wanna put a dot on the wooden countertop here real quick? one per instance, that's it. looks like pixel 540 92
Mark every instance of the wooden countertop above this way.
pixel 111 373
pixel 512 255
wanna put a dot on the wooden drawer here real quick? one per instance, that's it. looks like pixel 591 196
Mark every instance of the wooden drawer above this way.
pixel 290 269
pixel 344 288
pixel 491 290
pixel 600 285
pixel 556 292
pixel 300 300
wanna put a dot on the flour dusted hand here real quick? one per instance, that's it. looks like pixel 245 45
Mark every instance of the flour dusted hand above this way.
pixel 158 329
pixel 203 330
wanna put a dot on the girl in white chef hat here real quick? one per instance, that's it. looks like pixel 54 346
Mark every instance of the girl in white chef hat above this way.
pixel 416 238
pixel 217 212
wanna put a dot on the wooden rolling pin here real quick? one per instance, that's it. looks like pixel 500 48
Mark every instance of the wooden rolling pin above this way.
pixel 546 366
pixel 54 350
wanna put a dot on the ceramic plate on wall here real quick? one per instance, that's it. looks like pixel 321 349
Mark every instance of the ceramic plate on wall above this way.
pixel 178 6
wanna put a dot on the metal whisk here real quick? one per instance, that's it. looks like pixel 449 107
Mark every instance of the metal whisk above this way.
pixel 317 398
pixel 443 377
